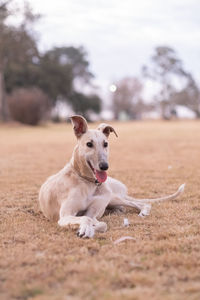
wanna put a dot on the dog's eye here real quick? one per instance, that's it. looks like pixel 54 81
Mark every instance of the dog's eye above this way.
pixel 89 144
pixel 105 144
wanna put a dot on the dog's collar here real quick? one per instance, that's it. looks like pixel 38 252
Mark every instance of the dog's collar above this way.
pixel 93 180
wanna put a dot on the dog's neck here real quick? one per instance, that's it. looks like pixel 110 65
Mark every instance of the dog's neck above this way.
pixel 81 167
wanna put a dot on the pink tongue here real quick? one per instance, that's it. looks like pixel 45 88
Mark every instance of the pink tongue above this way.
pixel 101 175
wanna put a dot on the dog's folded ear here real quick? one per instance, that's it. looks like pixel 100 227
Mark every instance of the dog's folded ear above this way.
pixel 106 129
pixel 80 125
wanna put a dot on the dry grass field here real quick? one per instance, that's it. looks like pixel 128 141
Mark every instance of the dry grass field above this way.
pixel 39 260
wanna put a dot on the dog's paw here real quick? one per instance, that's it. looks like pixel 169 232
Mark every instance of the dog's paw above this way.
pixel 86 231
pixel 101 227
pixel 145 211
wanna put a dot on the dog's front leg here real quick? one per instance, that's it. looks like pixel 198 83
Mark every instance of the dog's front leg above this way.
pixel 97 209
pixel 68 211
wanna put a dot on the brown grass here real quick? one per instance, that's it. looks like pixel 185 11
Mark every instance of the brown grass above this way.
pixel 39 260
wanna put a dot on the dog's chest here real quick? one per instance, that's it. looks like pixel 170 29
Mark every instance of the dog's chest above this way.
pixel 94 193
pixel 91 193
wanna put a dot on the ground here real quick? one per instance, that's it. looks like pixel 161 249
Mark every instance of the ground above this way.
pixel 41 261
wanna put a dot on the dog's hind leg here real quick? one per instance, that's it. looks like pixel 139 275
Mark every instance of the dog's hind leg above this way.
pixel 143 208
pixel 146 203
pixel 143 205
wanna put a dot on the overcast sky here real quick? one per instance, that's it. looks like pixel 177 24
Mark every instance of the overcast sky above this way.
pixel 119 35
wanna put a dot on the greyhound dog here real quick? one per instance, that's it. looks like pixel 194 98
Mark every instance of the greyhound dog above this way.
pixel 80 193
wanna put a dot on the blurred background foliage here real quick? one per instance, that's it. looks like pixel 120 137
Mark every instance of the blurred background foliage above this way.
pixel 25 73
pixel 32 82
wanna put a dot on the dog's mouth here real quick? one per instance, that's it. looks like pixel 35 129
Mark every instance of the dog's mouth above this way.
pixel 100 176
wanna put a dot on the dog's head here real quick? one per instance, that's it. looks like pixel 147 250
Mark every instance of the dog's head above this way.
pixel 93 146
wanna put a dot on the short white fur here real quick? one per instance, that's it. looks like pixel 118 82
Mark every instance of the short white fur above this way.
pixel 71 199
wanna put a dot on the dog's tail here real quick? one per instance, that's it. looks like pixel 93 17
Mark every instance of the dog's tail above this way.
pixel 170 197
pixel 145 204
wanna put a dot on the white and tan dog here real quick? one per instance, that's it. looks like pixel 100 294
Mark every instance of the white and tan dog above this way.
pixel 81 192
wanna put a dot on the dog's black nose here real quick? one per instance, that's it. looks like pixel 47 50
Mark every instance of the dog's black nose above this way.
pixel 103 166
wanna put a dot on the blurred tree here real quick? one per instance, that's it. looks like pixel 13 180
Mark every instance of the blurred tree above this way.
pixel 84 104
pixel 56 72
pixel 3 36
pixel 60 68
pixel 18 53
pixel 127 98
pixel 189 96
pixel 165 68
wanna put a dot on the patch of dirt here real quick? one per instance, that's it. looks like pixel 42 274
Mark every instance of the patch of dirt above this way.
pixel 39 260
